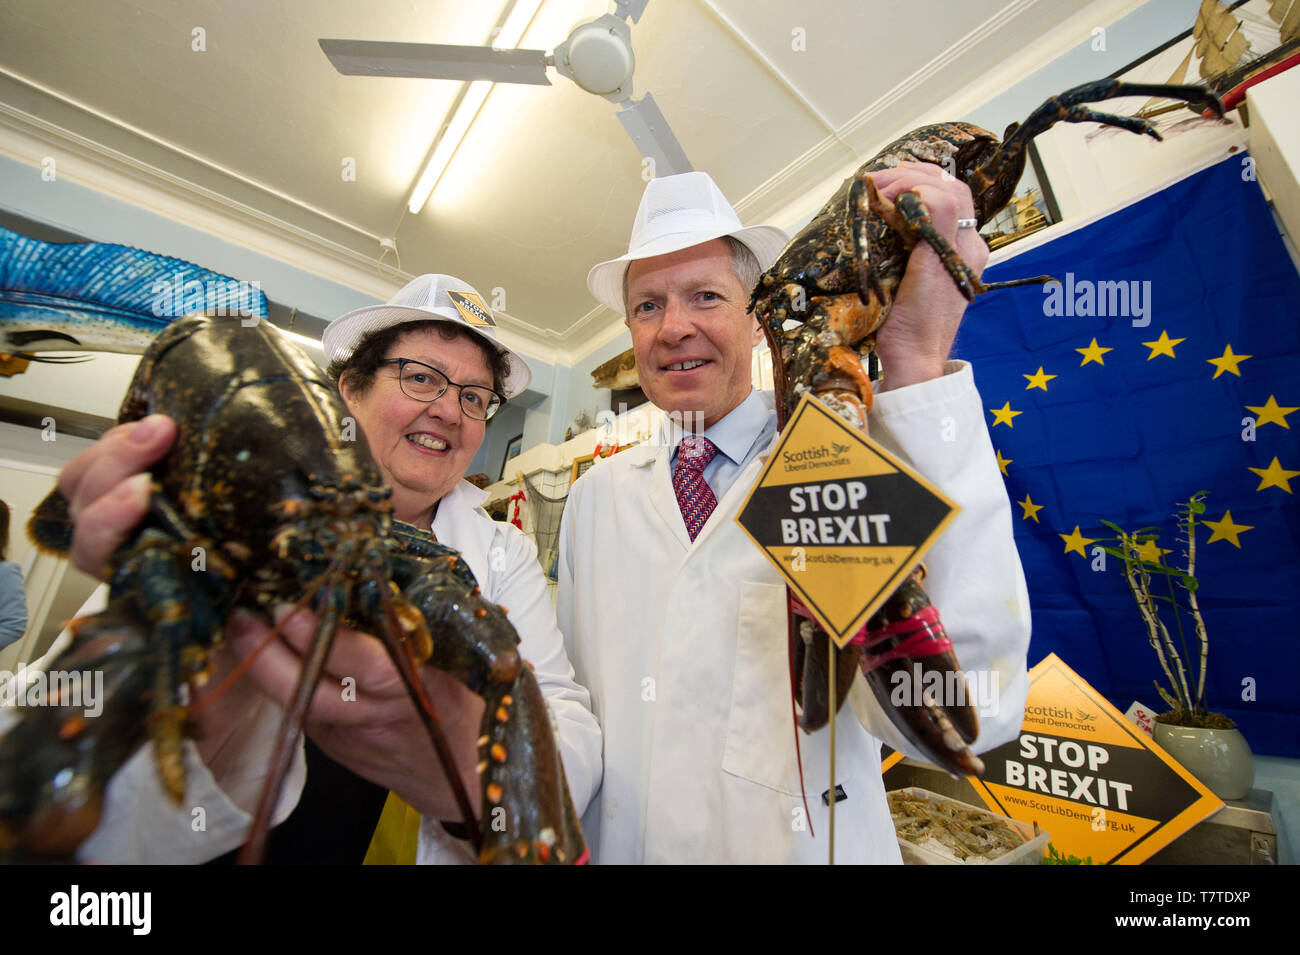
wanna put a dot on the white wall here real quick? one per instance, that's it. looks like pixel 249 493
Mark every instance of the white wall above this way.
pixel 506 425
pixel 580 395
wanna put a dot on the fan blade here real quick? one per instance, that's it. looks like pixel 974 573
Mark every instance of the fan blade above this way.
pixel 649 130
pixel 631 9
pixel 436 61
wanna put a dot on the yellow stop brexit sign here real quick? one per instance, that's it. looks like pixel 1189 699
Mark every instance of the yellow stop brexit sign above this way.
pixel 843 519
pixel 1082 771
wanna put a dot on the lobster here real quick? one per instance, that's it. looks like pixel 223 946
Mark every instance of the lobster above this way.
pixel 837 280
pixel 284 508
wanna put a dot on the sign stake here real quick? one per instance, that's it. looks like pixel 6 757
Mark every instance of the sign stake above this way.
pixel 832 669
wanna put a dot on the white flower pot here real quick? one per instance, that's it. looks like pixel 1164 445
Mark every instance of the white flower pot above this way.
pixel 1219 758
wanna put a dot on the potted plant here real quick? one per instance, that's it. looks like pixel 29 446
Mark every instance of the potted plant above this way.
pixel 1208 744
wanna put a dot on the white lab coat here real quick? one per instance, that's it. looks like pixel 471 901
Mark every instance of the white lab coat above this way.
pixel 141 824
pixel 684 649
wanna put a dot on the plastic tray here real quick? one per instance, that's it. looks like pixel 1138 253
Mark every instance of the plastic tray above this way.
pixel 1029 853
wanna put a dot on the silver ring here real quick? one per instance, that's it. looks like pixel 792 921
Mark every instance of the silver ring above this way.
pixel 967 223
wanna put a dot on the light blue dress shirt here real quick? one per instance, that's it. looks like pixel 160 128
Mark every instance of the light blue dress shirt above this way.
pixel 740 437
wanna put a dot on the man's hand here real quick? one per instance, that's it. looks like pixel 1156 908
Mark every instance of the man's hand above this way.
pixel 370 723
pixel 915 342
pixel 108 488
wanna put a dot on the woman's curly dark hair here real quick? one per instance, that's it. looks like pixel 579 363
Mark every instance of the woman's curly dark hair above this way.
pixel 360 368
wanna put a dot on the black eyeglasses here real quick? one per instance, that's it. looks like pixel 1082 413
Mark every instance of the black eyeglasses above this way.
pixel 426 383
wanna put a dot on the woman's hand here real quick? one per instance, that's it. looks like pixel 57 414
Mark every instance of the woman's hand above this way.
pixel 108 488
pixel 914 344
pixel 362 716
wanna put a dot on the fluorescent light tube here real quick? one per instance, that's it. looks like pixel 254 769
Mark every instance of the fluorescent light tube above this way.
pixel 507 38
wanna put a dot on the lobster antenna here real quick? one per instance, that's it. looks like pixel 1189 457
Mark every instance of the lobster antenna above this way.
pixel 235 675
pixel 791 636
pixel 1013 283
pixel 405 663
pixel 291 725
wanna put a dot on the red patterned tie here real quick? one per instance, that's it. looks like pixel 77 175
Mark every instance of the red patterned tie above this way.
pixel 694 496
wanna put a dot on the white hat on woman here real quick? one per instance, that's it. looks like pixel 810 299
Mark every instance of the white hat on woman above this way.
pixel 677 212
pixel 439 298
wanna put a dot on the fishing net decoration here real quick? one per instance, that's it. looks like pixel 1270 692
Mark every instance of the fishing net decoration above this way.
pixel 546 514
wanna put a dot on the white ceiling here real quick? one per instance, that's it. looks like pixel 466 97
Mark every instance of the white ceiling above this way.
pixel 257 127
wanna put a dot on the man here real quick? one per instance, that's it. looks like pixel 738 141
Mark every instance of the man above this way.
pixel 689 677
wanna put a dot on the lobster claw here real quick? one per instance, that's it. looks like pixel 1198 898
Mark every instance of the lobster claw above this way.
pixel 916 679
pixel 528 815
pixel 56 762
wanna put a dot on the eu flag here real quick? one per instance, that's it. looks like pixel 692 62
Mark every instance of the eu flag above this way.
pixel 1165 363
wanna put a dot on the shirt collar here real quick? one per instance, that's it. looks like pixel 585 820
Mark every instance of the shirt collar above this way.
pixel 734 435
pixel 464 495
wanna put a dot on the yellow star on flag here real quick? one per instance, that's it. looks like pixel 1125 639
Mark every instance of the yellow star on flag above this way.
pixel 1226 530
pixel 1004 415
pixel 1227 362
pixel 1093 353
pixel 1271 413
pixel 1275 476
pixel 1075 541
pixel 1149 551
pixel 1164 345
pixel 1037 379
pixel 1031 509
pixel 1003 462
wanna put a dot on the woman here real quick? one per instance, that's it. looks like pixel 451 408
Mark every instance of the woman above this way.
pixel 13 593
pixel 421 374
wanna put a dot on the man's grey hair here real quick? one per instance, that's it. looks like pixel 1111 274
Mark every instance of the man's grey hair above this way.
pixel 744 264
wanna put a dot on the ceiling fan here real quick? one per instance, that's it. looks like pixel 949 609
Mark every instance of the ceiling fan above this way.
pixel 596 55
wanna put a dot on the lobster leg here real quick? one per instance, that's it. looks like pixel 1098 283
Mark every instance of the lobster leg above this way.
pixel 908 216
pixel 864 199
pixel 917 217
pixel 405 661
pixel 399 625
pixel 291 730
pixel 165 594
pixel 1064 108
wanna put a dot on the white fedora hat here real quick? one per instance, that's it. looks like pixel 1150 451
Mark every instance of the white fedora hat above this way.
pixel 439 298
pixel 677 212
